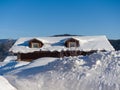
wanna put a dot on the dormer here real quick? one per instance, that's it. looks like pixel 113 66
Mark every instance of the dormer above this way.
pixel 71 42
pixel 34 43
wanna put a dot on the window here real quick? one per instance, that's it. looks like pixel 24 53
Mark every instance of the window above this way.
pixel 35 45
pixel 72 44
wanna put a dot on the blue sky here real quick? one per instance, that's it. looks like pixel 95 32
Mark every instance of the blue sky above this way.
pixel 27 18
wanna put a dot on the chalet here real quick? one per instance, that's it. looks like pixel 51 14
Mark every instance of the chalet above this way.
pixel 31 48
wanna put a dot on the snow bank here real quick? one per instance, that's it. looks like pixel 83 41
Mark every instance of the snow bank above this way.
pixel 99 71
pixel 10 58
pixel 5 85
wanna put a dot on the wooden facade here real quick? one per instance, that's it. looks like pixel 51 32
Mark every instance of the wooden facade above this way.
pixel 39 54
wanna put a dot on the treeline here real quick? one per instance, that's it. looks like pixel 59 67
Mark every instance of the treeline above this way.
pixel 115 44
pixel 5 45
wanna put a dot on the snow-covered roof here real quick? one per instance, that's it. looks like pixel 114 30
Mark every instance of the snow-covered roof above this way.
pixel 87 43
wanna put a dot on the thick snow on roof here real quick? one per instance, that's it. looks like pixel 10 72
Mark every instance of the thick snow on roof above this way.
pixel 87 43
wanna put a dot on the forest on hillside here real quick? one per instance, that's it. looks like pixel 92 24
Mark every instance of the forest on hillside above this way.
pixel 5 45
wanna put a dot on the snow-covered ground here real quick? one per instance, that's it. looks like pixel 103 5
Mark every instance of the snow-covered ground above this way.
pixel 99 71
pixel 5 85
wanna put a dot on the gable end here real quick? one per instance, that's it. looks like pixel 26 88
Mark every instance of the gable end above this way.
pixel 71 42
pixel 34 43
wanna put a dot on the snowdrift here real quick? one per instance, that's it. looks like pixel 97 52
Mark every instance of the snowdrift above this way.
pixel 5 85
pixel 99 71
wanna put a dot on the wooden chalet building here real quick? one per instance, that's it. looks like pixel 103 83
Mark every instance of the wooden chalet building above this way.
pixel 28 49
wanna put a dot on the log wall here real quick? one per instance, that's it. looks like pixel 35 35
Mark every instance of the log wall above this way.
pixel 39 54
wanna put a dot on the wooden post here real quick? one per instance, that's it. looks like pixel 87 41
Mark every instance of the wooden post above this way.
pixel 18 56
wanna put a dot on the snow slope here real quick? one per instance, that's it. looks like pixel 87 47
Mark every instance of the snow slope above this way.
pixel 5 85
pixel 99 71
